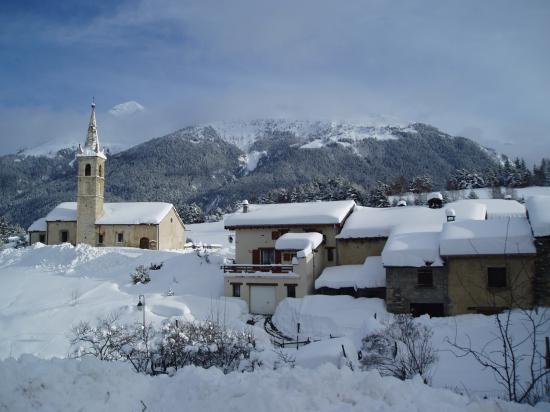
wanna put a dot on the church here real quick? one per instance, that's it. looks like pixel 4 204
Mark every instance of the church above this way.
pixel 89 220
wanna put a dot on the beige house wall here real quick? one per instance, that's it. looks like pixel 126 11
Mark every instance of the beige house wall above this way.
pixel 54 232
pixel 468 290
pixel 355 251
pixel 249 239
pixel 171 232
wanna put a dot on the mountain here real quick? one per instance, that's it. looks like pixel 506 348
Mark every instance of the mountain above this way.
pixel 218 165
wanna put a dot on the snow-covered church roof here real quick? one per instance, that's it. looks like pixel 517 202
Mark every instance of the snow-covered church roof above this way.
pixel 123 213
pixel 281 214
pixel 38 225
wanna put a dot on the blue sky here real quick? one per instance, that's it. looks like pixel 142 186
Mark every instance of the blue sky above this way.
pixel 475 68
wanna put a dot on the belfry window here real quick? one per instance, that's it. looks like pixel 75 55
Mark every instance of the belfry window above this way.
pixel 100 171
pixel 88 170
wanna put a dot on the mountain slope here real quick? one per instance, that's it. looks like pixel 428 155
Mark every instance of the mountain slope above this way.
pixel 203 164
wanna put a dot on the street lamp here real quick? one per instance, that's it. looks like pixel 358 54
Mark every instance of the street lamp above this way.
pixel 141 307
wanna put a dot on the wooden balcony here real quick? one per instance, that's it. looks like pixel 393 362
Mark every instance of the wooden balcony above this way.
pixel 237 268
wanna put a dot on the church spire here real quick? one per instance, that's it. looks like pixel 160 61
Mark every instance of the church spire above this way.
pixel 91 146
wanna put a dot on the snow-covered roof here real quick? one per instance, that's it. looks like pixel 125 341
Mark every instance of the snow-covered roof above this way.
pixel 281 214
pixel 370 274
pixel 367 222
pixel 539 214
pixel 64 212
pixel 39 225
pixel 487 237
pixel 299 241
pixel 434 195
pixel 413 246
pixel 123 213
pixel 133 213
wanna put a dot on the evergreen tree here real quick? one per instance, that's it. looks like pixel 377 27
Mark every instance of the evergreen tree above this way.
pixel 379 196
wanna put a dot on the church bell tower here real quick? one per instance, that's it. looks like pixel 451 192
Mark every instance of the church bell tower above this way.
pixel 90 185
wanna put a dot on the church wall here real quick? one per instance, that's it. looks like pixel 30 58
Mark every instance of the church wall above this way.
pixel 34 237
pixel 171 232
pixel 55 229
pixel 132 234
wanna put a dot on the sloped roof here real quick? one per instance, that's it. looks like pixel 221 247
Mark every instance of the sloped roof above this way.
pixel 38 225
pixel 280 214
pixel 370 274
pixel 487 237
pixel 539 214
pixel 413 246
pixel 122 213
pixel 299 241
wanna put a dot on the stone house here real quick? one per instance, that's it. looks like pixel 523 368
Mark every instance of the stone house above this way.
pixel 89 220
pixel 538 213
pixel 280 249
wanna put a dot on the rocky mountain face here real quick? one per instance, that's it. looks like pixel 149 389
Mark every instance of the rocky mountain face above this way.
pixel 216 166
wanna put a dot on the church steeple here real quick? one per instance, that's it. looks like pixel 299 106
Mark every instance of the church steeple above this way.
pixel 91 146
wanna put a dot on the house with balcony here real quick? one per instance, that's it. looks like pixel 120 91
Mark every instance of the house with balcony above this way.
pixel 280 249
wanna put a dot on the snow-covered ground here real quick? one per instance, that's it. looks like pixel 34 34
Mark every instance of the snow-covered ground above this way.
pixel 47 289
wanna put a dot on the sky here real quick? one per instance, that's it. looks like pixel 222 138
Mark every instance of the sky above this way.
pixel 479 69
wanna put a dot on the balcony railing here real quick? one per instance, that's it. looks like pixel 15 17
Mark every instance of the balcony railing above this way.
pixel 238 268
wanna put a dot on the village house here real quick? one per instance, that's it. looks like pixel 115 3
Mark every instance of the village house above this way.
pixel 538 212
pixel 89 220
pixel 281 249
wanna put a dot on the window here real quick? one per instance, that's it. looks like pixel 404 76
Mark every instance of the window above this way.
pixel 100 238
pixel 120 237
pixel 88 170
pixel 330 254
pixel 496 277
pixel 64 236
pixel 267 256
pixel 425 277
pixel 291 291
pixel 42 238
pixel 275 235
pixel 100 171
pixel 236 290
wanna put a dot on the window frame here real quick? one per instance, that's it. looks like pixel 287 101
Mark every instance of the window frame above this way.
pixel 64 235
pixel 289 288
pixel 236 290
pixel 271 251
pixel 120 237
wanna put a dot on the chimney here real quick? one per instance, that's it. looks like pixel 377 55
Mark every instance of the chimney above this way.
pixel 451 215
pixel 245 206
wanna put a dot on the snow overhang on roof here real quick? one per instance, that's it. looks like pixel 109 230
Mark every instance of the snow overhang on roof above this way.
pixel 539 215
pixel 487 237
pixel 299 241
pixel 370 274
pixel 291 214
pixel 413 246
pixel 39 225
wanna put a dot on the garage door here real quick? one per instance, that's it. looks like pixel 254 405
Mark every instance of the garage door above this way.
pixel 262 299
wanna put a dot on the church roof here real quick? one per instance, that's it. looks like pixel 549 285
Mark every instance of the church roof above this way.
pixel 122 213
pixel 38 225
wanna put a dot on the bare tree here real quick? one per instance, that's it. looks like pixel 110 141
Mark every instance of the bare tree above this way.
pixel 403 349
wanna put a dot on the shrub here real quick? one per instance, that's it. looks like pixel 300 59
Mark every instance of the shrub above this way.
pixel 403 349
pixel 140 275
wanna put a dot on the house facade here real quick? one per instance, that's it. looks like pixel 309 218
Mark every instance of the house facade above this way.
pixel 89 220
pixel 280 249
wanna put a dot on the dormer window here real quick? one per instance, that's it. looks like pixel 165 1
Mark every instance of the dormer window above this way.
pixel 88 170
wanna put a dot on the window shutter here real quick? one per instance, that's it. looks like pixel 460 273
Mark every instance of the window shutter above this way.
pixel 275 235
pixel 277 257
pixel 256 257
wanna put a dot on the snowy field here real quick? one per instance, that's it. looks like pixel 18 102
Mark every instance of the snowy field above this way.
pixel 47 289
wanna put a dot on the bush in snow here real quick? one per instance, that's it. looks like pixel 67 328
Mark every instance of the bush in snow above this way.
pixel 140 275
pixel 403 349
pixel 156 266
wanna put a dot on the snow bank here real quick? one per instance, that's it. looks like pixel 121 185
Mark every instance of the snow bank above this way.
pixel 310 213
pixel 487 237
pixel 370 274
pixel 93 385
pixel 539 214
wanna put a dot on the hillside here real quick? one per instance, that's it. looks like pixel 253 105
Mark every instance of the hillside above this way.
pixel 215 168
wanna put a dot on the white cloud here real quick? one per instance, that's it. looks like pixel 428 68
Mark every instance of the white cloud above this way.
pixel 126 109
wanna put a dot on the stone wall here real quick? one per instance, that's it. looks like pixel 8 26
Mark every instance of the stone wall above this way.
pixel 402 288
pixel 541 282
